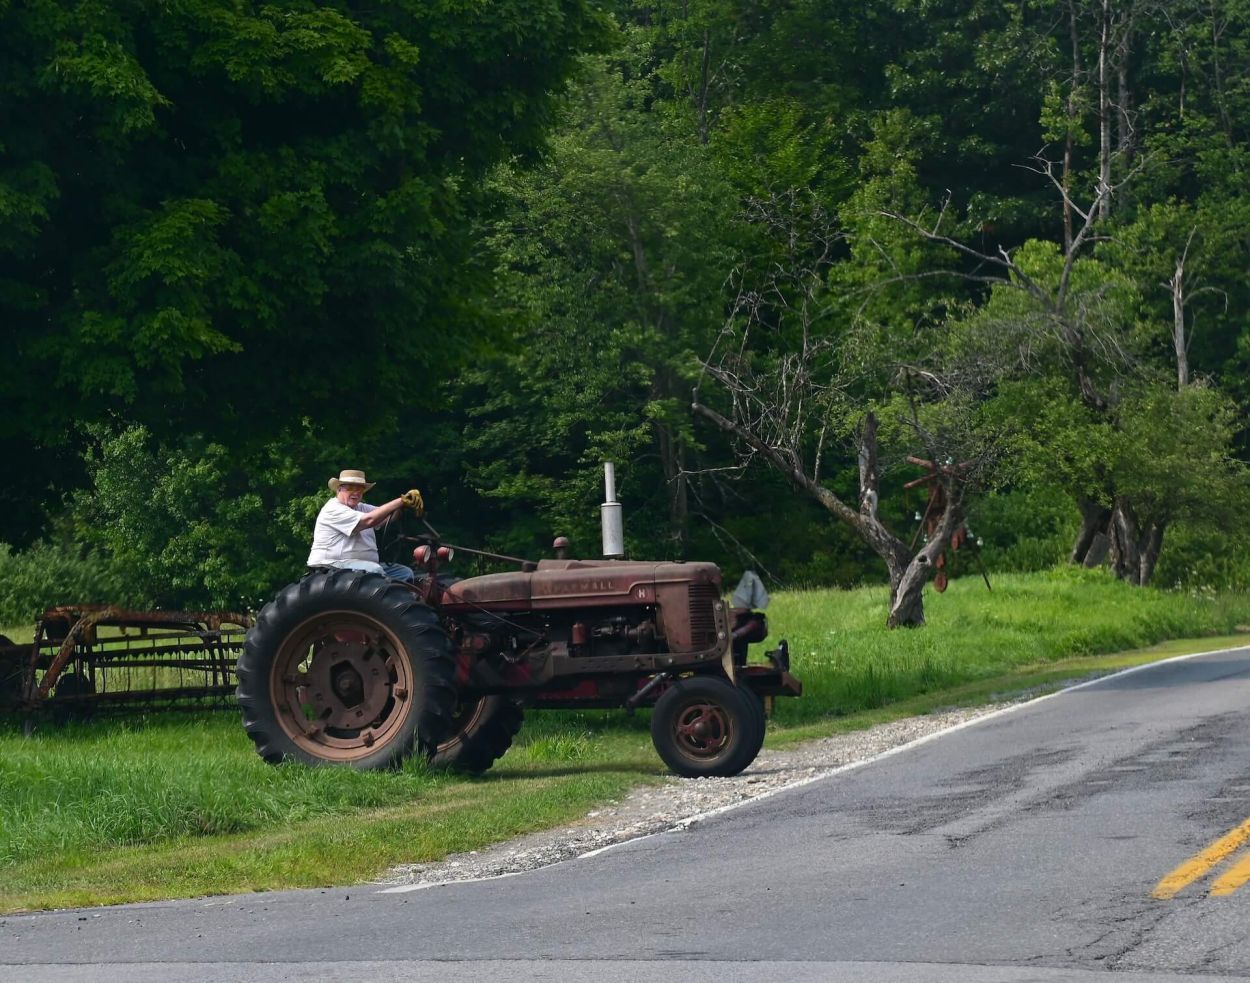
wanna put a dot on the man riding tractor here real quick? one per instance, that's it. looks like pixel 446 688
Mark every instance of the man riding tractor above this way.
pixel 344 538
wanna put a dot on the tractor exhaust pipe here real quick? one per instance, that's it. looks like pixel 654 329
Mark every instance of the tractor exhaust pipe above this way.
pixel 610 517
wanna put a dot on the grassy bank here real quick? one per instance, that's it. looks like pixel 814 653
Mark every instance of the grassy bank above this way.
pixel 173 806
pixel 848 662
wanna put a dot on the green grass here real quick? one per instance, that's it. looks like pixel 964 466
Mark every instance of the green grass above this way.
pixel 178 806
pixel 848 662
pixel 19 634
pixel 171 805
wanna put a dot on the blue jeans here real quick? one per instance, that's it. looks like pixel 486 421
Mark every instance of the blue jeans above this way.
pixel 395 571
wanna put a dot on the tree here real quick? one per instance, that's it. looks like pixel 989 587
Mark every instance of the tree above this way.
pixel 230 216
pixel 183 525
pixel 797 385
pixel 1072 341
pixel 613 254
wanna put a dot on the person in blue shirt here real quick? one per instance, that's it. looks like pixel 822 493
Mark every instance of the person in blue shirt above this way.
pixel 746 609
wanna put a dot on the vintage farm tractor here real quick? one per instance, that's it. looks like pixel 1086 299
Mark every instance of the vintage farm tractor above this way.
pixel 351 668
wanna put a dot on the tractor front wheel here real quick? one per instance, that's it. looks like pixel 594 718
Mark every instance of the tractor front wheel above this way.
pixel 704 726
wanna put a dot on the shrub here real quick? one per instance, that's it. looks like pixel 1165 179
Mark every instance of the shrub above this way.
pixel 1024 530
pixel 46 574
pixel 1204 558
pixel 193 525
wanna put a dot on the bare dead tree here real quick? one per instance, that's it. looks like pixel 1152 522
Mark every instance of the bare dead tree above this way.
pixel 1104 37
pixel 781 375
pixel 1074 321
pixel 1184 291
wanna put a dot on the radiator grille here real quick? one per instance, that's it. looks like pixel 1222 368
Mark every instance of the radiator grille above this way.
pixel 702 615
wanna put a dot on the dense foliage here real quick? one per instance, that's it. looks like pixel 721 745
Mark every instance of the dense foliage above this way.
pixel 293 237
pixel 227 217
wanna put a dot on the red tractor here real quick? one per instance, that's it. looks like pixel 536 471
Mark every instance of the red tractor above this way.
pixel 352 668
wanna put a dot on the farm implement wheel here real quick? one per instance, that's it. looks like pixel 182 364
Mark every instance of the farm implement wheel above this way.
pixel 704 726
pixel 11 674
pixel 481 731
pixel 346 668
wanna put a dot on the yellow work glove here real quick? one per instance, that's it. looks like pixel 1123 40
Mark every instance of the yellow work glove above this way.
pixel 412 500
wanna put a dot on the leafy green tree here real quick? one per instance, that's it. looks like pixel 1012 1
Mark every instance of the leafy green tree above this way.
pixel 225 216
pixel 192 524
pixel 1095 413
pixel 614 254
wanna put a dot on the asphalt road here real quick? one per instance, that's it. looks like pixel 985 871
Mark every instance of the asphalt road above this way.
pixel 1105 828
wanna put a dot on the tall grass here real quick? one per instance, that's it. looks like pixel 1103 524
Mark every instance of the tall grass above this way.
pixel 849 662
pixel 116 809
pixel 93 786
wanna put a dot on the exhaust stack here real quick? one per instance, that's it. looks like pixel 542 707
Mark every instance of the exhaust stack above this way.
pixel 610 517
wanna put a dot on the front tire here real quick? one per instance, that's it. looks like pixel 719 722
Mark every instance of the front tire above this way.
pixel 346 668
pixel 704 726
pixel 761 719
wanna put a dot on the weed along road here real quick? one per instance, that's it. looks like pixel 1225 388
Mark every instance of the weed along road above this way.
pixel 1105 828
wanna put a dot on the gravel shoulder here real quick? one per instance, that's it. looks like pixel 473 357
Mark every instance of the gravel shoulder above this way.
pixel 678 802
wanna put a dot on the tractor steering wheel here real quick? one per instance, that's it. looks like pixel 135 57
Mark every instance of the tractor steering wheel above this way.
pixel 397 534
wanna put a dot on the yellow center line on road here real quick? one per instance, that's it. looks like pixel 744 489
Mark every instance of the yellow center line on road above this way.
pixel 1234 877
pixel 1201 864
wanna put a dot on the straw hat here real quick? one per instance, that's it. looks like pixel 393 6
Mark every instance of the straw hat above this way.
pixel 350 478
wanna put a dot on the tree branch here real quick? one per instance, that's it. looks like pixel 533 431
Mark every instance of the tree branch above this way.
pixel 784 462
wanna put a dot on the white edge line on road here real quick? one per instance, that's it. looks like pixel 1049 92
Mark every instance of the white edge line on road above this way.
pixel 850 766
pixel 689 821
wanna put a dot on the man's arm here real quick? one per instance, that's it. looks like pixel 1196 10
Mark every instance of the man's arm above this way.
pixel 378 515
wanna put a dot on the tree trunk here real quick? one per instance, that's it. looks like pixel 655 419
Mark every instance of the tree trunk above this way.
pixel 913 571
pixel 1104 111
pixel 701 96
pixel 1135 545
pixel 1125 543
pixel 1180 343
pixel 1094 519
pixel 907 597
pixel 1067 191
pixel 673 460
pixel 907 582
pixel 868 470
pixel 908 571
pixel 1073 121
pixel 1126 136
pixel 1150 551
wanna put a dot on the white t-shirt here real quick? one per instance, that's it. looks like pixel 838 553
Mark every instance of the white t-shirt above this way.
pixel 333 537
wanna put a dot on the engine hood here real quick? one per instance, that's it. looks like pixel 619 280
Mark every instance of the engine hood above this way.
pixel 582 583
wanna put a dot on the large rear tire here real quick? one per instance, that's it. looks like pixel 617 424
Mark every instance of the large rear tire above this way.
pixel 704 726
pixel 481 732
pixel 346 668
